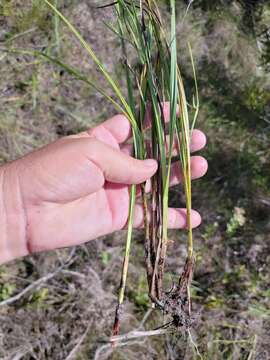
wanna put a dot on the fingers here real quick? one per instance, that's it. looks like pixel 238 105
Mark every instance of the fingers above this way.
pixel 166 113
pixel 118 129
pixel 112 132
pixel 198 142
pixel 116 166
pixel 177 218
pixel 199 167
pixel 71 168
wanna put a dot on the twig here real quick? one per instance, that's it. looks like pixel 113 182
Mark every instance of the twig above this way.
pixel 20 35
pixel 252 354
pixel 74 351
pixel 17 356
pixel 188 7
pixel 29 288
pixel 74 273
pixel 194 345
pixel 107 5
pixel 37 283
pixel 3 56
pixel 137 334
pixel 232 342
pixel 145 318
pixel 111 349
pixel 101 349
pixel 114 344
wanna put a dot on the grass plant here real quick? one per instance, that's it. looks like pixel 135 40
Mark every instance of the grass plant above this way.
pixel 155 78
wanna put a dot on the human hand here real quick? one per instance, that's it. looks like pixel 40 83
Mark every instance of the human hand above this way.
pixel 77 189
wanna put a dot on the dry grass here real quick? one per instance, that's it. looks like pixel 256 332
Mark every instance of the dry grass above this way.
pixel 72 313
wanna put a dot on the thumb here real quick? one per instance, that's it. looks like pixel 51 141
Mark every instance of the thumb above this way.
pixel 118 167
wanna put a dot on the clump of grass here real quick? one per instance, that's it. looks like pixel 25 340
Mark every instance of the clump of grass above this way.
pixel 153 80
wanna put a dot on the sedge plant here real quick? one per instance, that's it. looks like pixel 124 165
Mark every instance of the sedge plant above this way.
pixel 153 77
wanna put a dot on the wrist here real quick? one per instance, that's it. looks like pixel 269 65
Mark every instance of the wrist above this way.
pixel 13 242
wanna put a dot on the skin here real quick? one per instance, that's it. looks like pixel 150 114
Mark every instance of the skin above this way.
pixel 77 189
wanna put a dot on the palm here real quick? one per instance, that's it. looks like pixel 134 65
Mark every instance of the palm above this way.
pixel 71 197
pixel 68 201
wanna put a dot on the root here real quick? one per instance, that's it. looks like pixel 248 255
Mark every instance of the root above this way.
pixel 177 303
pixel 116 325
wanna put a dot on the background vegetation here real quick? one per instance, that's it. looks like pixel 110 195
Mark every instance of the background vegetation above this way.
pixel 69 313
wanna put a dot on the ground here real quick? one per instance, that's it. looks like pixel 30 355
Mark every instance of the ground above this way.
pixel 69 315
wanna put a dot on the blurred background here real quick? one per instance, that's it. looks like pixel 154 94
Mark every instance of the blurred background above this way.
pixel 69 313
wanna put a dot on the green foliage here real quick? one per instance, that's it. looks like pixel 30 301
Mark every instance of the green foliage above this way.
pixel 210 231
pixel 6 291
pixel 215 302
pixel 236 283
pixel 259 311
pixel 257 98
pixel 196 291
pixel 6 8
pixel 105 257
pixel 235 103
pixel 139 294
pixel 24 18
pixel 156 79
pixel 39 297
pixel 237 221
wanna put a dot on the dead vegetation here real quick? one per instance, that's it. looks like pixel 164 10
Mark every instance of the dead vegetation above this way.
pixel 70 315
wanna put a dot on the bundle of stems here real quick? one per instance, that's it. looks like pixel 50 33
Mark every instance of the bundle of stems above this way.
pixel 153 78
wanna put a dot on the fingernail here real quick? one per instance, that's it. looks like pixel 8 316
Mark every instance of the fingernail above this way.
pixel 150 163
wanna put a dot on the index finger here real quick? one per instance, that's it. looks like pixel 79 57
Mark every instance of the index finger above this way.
pixel 118 129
